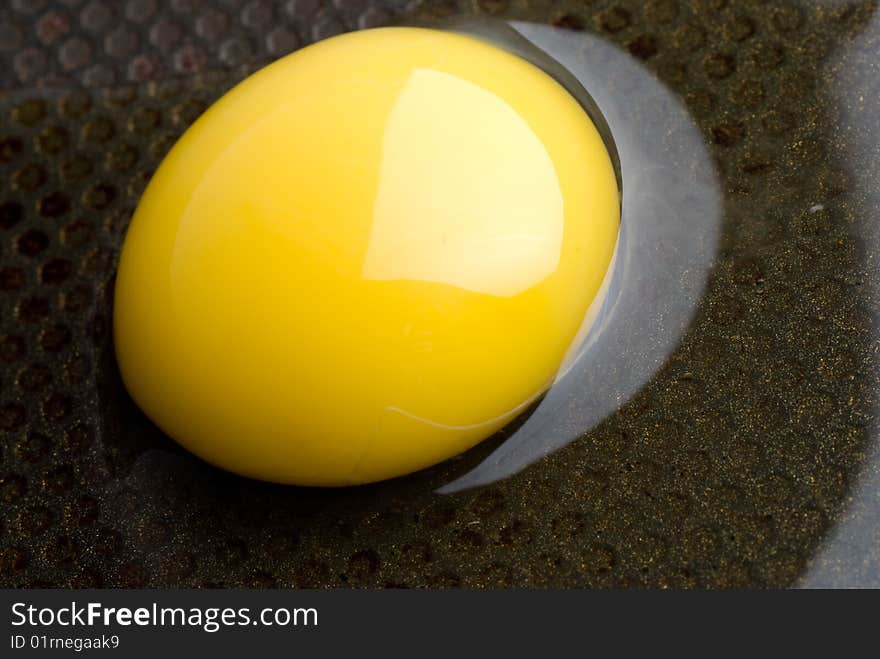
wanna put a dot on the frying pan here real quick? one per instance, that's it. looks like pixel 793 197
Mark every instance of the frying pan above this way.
pixel 747 459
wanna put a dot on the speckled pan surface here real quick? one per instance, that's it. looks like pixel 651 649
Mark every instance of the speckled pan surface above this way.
pixel 747 461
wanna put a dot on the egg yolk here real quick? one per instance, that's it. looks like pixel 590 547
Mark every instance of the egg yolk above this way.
pixel 365 258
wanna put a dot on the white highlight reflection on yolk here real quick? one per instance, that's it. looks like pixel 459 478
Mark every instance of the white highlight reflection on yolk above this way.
pixel 464 210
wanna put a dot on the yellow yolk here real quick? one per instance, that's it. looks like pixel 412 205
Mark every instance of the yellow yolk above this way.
pixel 365 258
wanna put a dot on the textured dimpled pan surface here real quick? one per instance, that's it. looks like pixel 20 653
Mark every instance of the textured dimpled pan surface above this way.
pixel 742 462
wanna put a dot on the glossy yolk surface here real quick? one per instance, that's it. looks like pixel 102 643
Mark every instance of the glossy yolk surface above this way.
pixel 364 259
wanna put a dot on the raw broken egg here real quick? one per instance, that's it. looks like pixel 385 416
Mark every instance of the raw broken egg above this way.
pixel 365 258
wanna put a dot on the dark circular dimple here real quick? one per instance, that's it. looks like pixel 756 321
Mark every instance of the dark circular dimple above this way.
pixel 497 575
pixel 106 541
pixel 36 520
pixel 282 40
pixel 614 20
pixel 13 559
pixel 190 59
pixel 661 11
pixel 708 7
pixel 569 525
pixel 120 97
pixel 75 169
pixel 99 196
pixel 187 112
pixel 569 21
pixel 363 564
pixel 767 55
pixel 57 406
pixel 12 416
pixel 11 278
pixel 728 311
pixel 59 478
pixel 418 551
pixel 211 24
pixel 75 54
pixel 30 111
pixel 756 162
pixel 786 18
pixel 310 573
pixel 515 534
pixel 99 75
pixel 487 504
pixel 165 34
pixel 30 177
pixel 77 233
pixel 467 540
pixel 375 17
pixel 12 348
pixel 719 65
pixel 77 299
pixel 10 148
pixel 122 42
pixel 97 15
pixel 54 338
pixel 590 484
pixel 231 552
pixel 145 67
pixel 117 221
pixel 132 574
pixel 161 145
pixel 643 46
pixel 66 549
pixel 236 51
pixel 33 309
pixel 493 7
pixel 100 260
pixel 99 130
pixel 10 36
pixel 167 90
pixel 599 559
pixel 437 9
pixel 34 447
pixel 79 435
pixel 32 242
pixel 11 213
pixel 34 377
pixel 689 37
pixel 140 11
pixel 738 28
pixel 138 182
pixel 256 14
pixel 436 516
pixel 52 25
pixel 728 133
pixel 184 6
pixel 748 94
pixel 122 158
pixel 52 140
pixel 55 271
pixel 444 579
pixel 144 121
pixel 75 104
pixel 54 204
